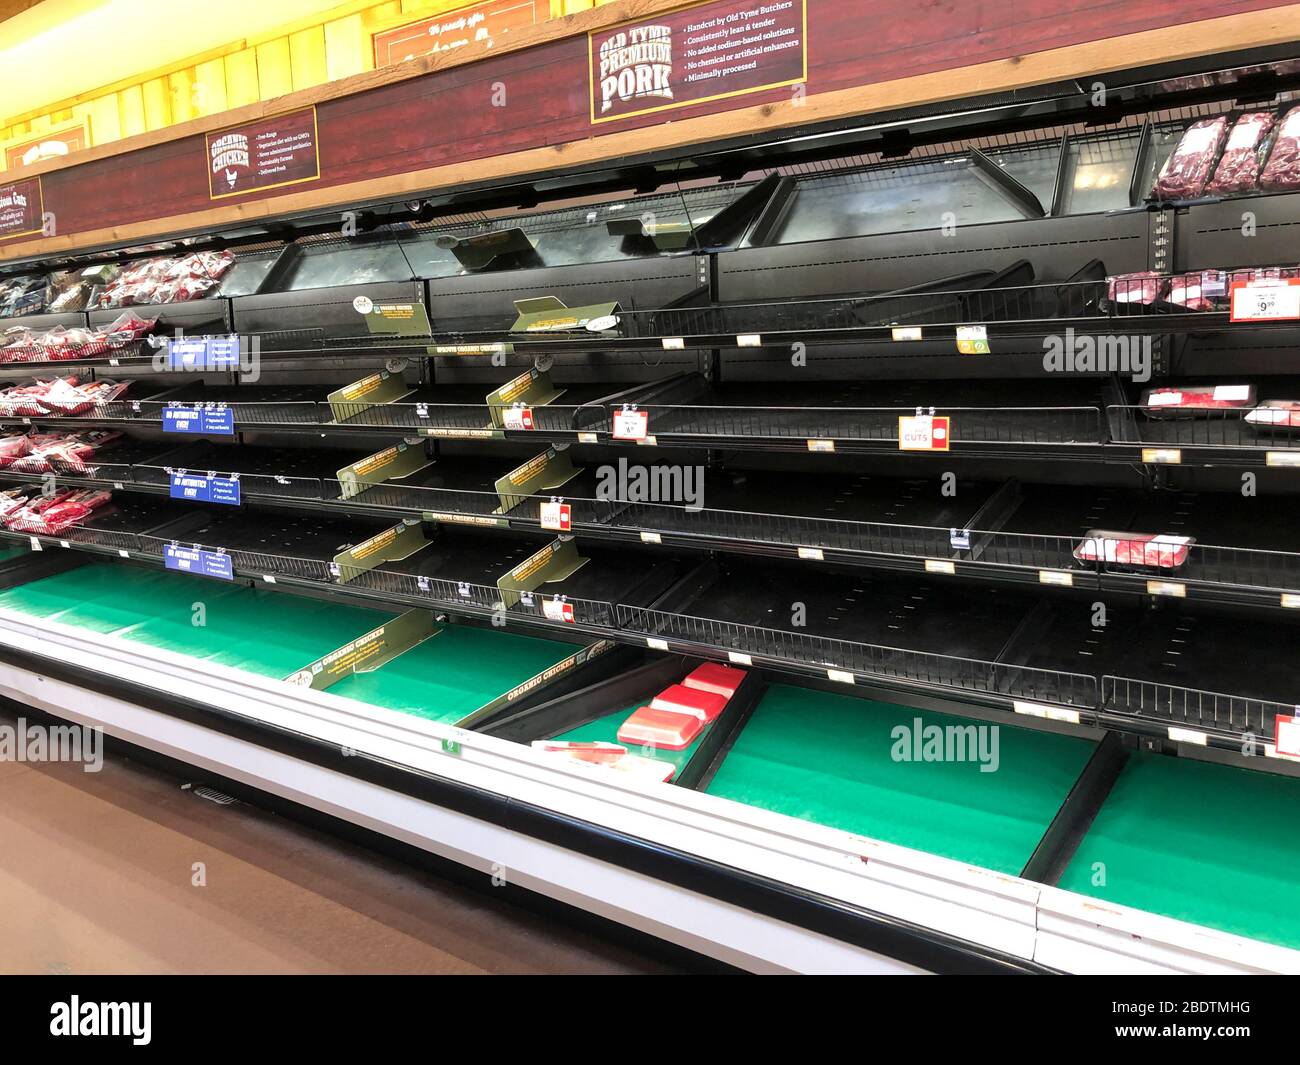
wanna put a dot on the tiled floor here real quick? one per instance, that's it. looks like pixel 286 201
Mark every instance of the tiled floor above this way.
pixel 99 873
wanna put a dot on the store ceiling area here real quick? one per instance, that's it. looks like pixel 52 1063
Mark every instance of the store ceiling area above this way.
pixel 119 38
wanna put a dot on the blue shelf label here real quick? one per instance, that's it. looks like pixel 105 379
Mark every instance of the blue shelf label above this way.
pixel 202 353
pixel 196 560
pixel 199 489
pixel 207 421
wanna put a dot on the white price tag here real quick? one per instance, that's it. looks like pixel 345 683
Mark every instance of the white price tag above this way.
pixel 906 332
pixel 651 538
pixel 558 610
pixel 1286 736
pixel 739 658
pixel 558 517
pixel 923 432
pixel 674 343
pixel 631 424
pixel 823 446
pixel 812 554
pixel 36 544
pixel 973 340
pixel 1266 303
pixel 518 418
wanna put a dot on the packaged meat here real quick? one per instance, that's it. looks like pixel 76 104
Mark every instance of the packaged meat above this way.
pixel 22 295
pixel 1142 288
pixel 70 291
pixel 1188 168
pixel 1243 155
pixel 663 729
pixel 1134 549
pixel 53 514
pixel 62 452
pixel 166 280
pixel 1202 290
pixel 24 401
pixel 713 677
pixel 13 447
pixel 611 756
pixel 126 328
pixel 1169 401
pixel 1275 414
pixel 1282 169
pixel 10 501
pixel 679 699
pixel 64 396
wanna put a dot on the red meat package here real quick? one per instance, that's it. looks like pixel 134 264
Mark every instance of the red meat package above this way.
pixel 1171 401
pixel 715 678
pixel 665 729
pixel 24 401
pixel 51 515
pixel 65 396
pixel 62 452
pixel 1134 549
pixel 1275 414
pixel 10 501
pixel 679 699
pixel 168 280
pixel 1203 290
pixel 13 448
pixel 1188 168
pixel 610 756
pixel 1144 287
pixel 126 328
pixel 1282 170
pixel 1243 155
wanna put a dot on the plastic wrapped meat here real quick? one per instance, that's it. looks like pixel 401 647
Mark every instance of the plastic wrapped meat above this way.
pixel 13 448
pixel 169 280
pixel 65 396
pixel 1275 414
pixel 24 401
pixel 1188 168
pixel 1134 549
pixel 1172 401
pixel 62 452
pixel 10 501
pixel 1243 155
pixel 1204 290
pixel 51 515
pixel 664 729
pixel 1282 170
pixel 1144 287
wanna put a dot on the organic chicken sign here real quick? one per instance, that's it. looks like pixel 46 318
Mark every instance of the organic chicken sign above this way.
pixel 707 52
pixel 265 154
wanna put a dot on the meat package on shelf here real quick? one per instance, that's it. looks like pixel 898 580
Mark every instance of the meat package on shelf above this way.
pixel 54 452
pixel 1222 156
pixel 1134 549
pixel 1189 166
pixel 1275 414
pixel 1170 401
pixel 1195 290
pixel 19 344
pixel 165 280
pixel 55 396
pixel 51 514
pixel 1243 155
pixel 1282 171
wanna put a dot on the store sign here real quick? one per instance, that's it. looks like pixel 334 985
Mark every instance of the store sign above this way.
pixel 22 208
pixel 631 424
pixel 206 421
pixel 924 432
pixel 196 560
pixel 706 52
pixel 1278 302
pixel 556 516
pixel 198 354
pixel 518 418
pixel 482 24
pixel 266 154
pixel 198 489
pixel 47 146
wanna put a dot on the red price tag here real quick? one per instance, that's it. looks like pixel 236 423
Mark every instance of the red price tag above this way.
pixel 631 425
pixel 519 418
pixel 558 517
pixel 1286 735
pixel 924 432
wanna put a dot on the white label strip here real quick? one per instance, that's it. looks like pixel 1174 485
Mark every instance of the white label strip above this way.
pixel 739 658
pixel 651 538
pixel 821 445
pixel 1051 713
pixel 586 438
pixel 1188 735
pixel 674 343
pixel 906 332
pixel 934 565
pixel 1056 576
pixel 1282 458
pixel 840 676
pixel 1174 588
pixel 1167 456
pixel 813 554
pixel 656 645
pixel 1291 601
pixel 749 340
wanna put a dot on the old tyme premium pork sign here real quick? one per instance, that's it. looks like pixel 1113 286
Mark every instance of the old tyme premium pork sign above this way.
pixel 265 154
pixel 708 52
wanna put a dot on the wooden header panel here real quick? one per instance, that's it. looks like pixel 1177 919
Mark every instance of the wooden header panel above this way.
pixel 711 69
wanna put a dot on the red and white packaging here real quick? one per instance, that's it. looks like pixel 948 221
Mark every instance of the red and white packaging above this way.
pixel 1282 169
pixel 679 699
pixel 66 397
pixel 1134 549
pixel 1188 168
pixel 1276 414
pixel 1190 400
pixel 51 515
pixel 1243 155
pixel 1142 288
pixel 24 401
pixel 62 452
pixel 716 678
pixel 10 501
pixel 1202 290
pixel 611 756
pixel 665 729
pixel 167 280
